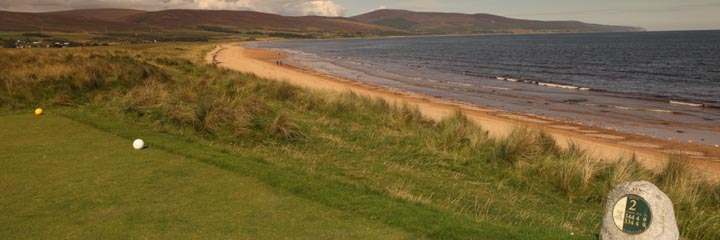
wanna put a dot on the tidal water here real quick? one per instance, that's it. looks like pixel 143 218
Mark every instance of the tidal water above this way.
pixel 664 84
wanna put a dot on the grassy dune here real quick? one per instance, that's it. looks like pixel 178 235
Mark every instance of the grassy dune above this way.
pixel 363 156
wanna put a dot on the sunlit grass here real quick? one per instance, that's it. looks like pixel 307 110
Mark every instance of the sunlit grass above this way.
pixel 63 179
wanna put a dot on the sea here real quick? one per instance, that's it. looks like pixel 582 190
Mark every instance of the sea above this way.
pixel 662 84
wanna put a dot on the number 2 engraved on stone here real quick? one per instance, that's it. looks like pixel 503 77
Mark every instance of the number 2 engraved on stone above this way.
pixel 634 203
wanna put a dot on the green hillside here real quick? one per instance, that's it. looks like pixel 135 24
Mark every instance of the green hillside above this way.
pixel 458 23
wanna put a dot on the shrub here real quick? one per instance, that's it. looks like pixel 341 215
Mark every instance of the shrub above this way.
pixel 525 144
pixel 283 127
pixel 457 132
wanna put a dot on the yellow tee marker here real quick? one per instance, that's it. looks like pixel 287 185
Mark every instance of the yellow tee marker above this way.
pixel 38 111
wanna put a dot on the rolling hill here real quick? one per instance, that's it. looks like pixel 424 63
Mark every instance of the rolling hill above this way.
pixel 249 20
pixel 107 14
pixel 381 22
pixel 457 23
pixel 125 20
pixel 60 22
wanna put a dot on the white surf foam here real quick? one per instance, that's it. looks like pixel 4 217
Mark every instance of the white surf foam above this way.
pixel 544 84
pixel 686 104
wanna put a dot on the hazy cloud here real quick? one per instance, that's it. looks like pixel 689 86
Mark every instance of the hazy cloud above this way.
pixel 317 7
pixel 284 7
pixel 656 9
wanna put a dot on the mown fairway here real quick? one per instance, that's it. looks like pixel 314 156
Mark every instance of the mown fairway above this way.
pixel 61 179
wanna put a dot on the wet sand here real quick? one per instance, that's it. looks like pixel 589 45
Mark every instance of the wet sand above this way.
pixel 605 144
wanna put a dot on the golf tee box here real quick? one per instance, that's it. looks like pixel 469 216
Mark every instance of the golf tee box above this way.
pixel 639 210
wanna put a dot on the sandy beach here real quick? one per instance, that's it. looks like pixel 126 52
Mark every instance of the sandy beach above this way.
pixel 605 144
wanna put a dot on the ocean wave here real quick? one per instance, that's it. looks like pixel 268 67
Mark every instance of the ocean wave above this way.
pixel 660 111
pixel 625 108
pixel 544 84
pixel 558 85
pixel 493 87
pixel 630 108
pixel 461 84
pixel 687 104
pixel 639 109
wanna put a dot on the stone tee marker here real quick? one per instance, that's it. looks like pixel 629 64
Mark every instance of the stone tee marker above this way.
pixel 638 210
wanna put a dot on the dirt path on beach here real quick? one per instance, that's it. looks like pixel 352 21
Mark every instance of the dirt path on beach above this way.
pixel 601 143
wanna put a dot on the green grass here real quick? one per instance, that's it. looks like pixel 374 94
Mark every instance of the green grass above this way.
pixel 367 157
pixel 63 179
pixel 425 221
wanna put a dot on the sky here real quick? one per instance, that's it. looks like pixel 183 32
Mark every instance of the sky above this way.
pixel 654 15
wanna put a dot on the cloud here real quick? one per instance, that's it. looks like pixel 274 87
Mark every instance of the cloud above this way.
pixel 317 7
pixel 222 4
pixel 655 9
pixel 284 7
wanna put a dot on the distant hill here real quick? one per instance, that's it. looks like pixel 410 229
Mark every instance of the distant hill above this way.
pixel 107 14
pixel 125 20
pixel 54 21
pixel 381 22
pixel 458 23
pixel 249 20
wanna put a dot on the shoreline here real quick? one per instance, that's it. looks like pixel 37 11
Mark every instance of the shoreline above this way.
pixel 489 74
pixel 604 144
